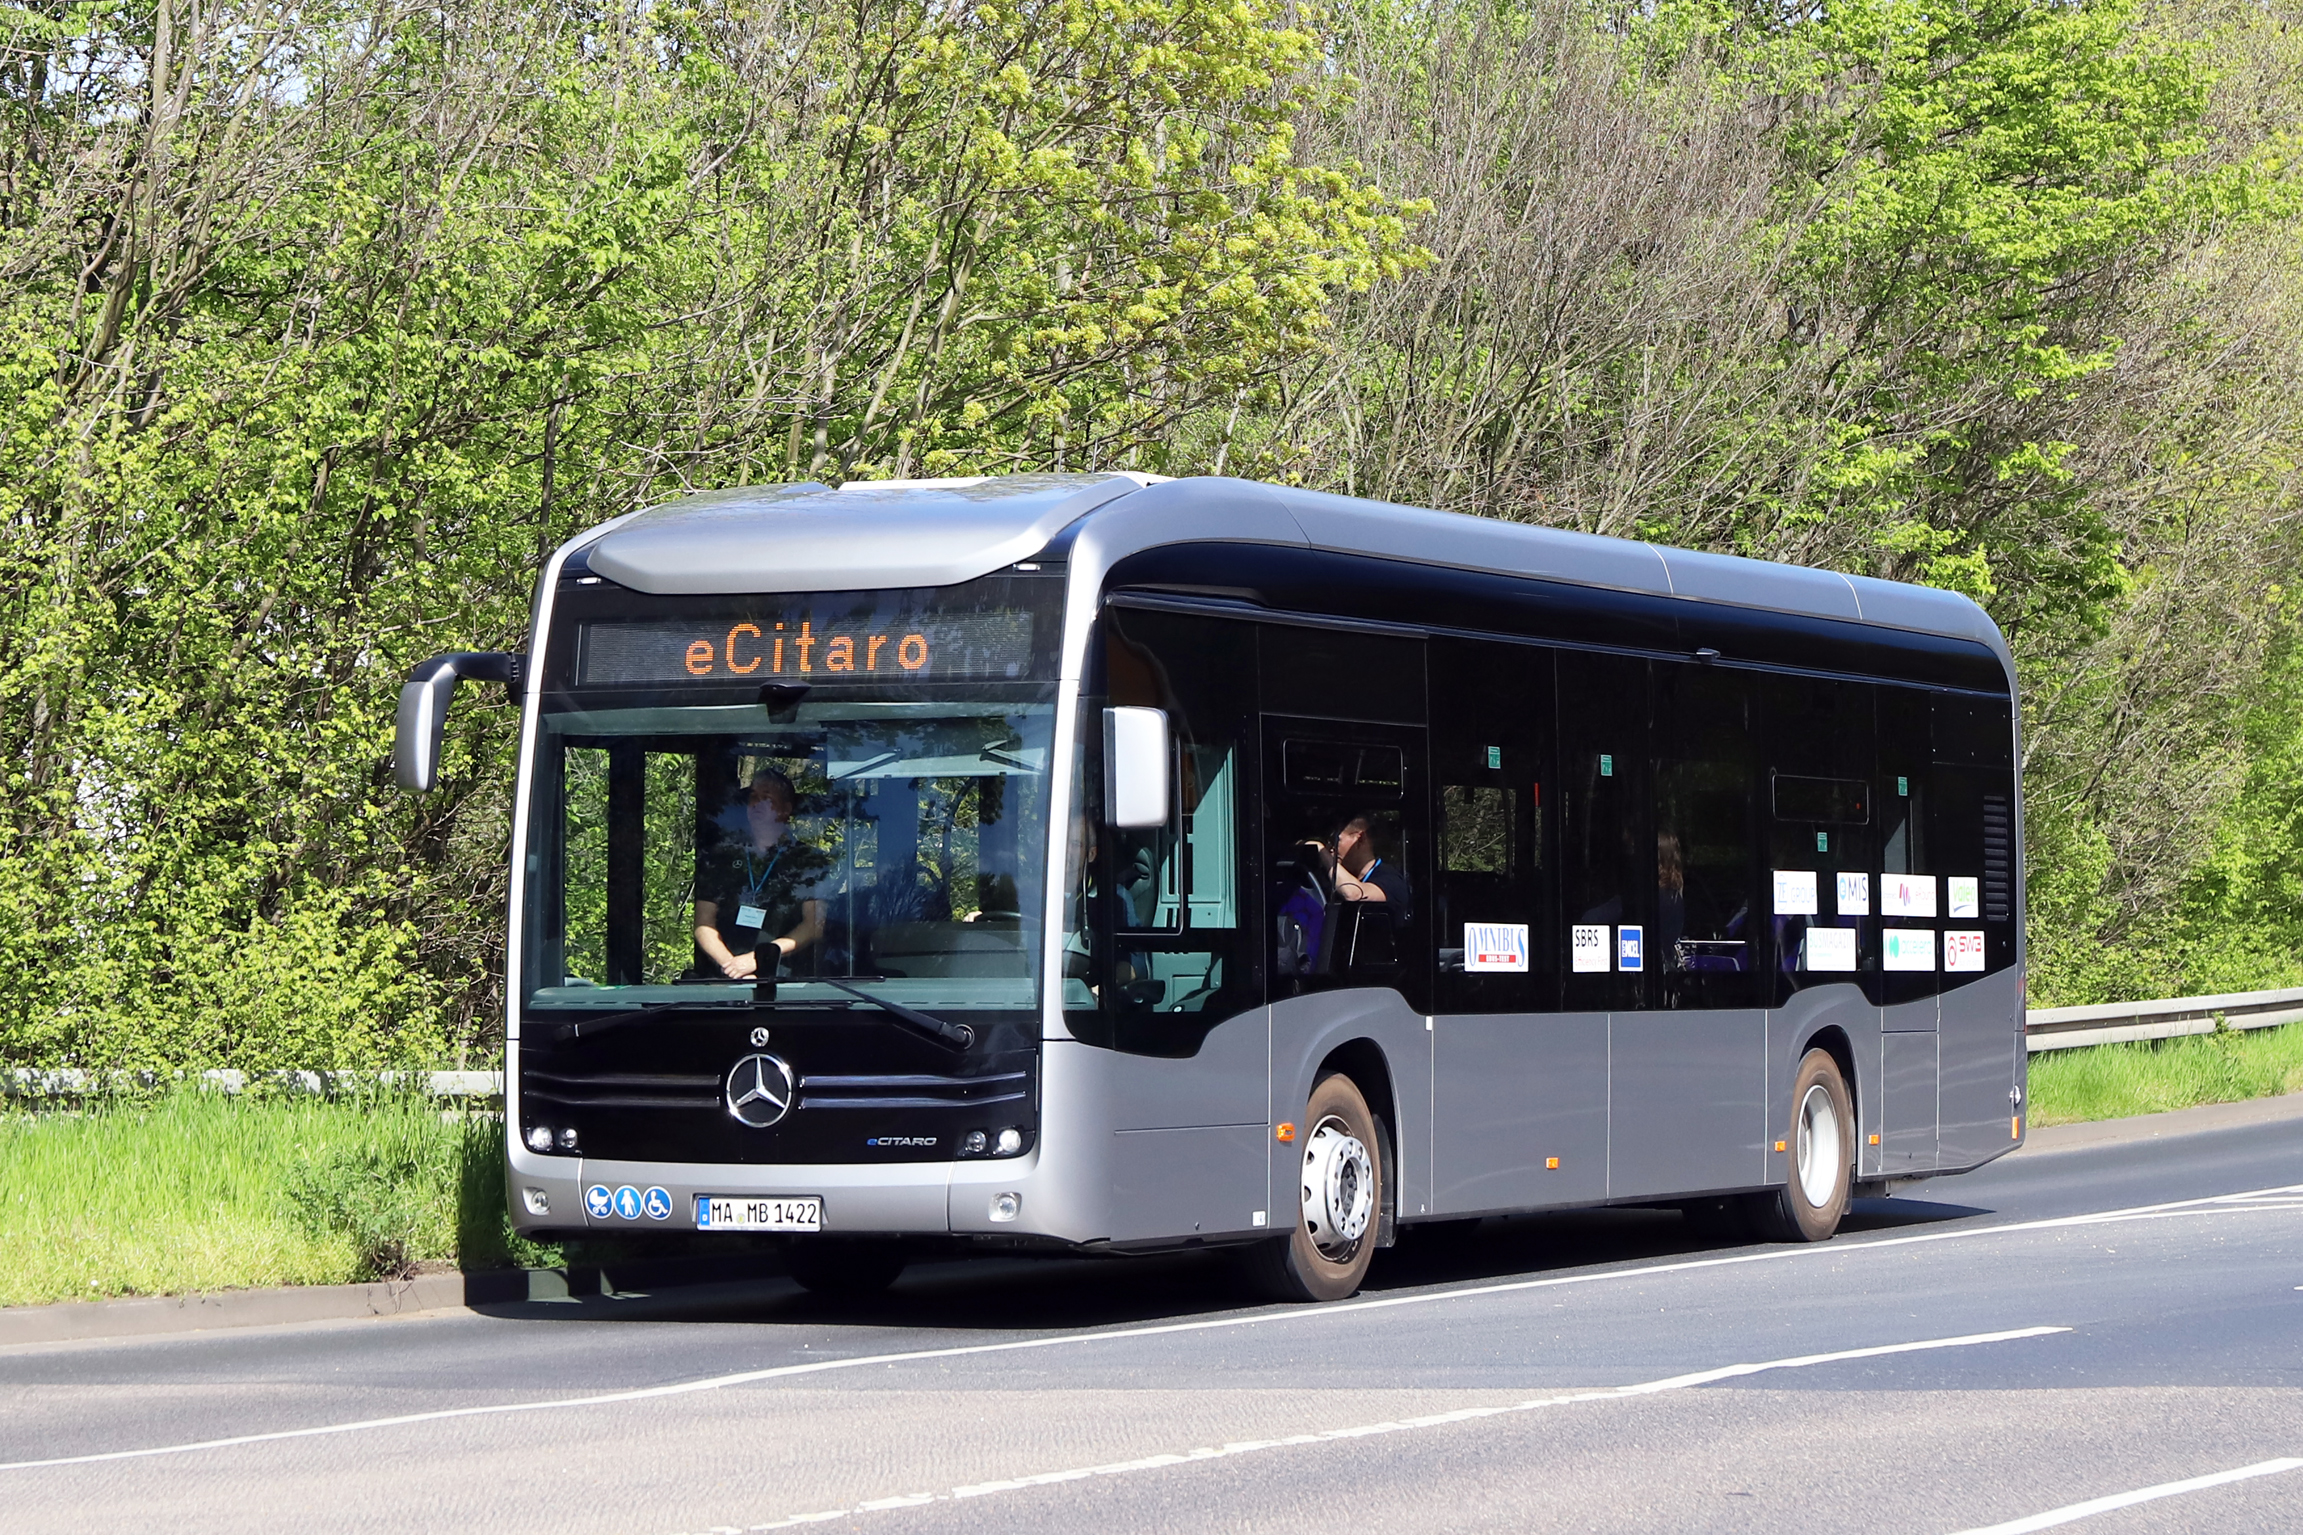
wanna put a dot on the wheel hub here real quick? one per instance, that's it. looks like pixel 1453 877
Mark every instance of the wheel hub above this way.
pixel 1820 1151
pixel 1338 1188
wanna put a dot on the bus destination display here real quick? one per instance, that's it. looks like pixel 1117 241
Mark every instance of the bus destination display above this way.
pixel 912 647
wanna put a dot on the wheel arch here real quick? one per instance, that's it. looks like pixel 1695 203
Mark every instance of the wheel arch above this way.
pixel 1833 1040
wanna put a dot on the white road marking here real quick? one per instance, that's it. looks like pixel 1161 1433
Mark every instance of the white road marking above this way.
pixel 1833 1250
pixel 1392 1426
pixel 2094 1506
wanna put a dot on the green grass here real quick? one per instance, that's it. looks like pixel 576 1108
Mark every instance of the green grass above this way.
pixel 202 1192
pixel 2114 1081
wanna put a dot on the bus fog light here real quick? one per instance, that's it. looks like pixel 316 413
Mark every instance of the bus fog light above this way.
pixel 540 1138
pixel 568 1139
pixel 972 1144
pixel 538 1201
pixel 1006 1207
pixel 1010 1142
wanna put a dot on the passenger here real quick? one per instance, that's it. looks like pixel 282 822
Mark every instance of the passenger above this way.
pixel 1362 866
pixel 762 884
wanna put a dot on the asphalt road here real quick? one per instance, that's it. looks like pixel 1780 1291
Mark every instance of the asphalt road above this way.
pixel 2055 1330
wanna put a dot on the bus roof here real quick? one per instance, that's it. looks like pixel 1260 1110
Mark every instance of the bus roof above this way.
pixel 812 537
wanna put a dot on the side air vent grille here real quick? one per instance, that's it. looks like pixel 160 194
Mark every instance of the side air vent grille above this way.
pixel 1998 858
pixel 910 1092
pixel 620 1091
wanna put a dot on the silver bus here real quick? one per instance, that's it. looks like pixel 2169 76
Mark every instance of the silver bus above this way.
pixel 1105 863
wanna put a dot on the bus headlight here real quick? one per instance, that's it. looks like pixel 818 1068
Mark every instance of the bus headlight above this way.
pixel 972 1144
pixel 568 1139
pixel 1010 1142
pixel 540 1138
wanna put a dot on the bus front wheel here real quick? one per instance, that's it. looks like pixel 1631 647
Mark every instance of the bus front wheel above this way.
pixel 1340 1178
pixel 1821 1149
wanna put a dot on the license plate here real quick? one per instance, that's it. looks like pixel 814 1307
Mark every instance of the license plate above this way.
pixel 742 1212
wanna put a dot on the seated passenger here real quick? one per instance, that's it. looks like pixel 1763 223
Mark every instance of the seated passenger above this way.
pixel 757 895
pixel 1361 867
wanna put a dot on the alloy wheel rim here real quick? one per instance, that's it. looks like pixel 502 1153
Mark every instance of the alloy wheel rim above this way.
pixel 1820 1151
pixel 1338 1189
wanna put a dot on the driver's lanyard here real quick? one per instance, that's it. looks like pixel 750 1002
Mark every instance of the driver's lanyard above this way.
pixel 754 884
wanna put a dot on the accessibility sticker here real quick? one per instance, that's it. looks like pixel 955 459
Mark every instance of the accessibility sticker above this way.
pixel 599 1204
pixel 628 1202
pixel 658 1203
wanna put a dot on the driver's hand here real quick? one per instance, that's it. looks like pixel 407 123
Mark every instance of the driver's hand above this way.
pixel 740 967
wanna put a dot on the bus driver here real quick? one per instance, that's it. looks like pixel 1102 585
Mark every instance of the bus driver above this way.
pixel 764 885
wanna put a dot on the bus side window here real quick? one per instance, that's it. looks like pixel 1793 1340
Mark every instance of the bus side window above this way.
pixel 1490 704
pixel 1607 860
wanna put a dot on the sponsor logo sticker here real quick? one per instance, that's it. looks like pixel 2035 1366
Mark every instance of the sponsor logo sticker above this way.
pixel 1491 947
pixel 1631 948
pixel 1587 947
pixel 1963 951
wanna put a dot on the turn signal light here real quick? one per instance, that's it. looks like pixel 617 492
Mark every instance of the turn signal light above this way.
pixel 1286 1131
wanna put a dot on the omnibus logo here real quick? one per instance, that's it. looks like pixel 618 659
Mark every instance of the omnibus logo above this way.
pixel 1493 947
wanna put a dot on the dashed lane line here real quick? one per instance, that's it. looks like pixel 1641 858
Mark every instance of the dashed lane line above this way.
pixel 2250 1200
pixel 1371 1430
pixel 2073 1512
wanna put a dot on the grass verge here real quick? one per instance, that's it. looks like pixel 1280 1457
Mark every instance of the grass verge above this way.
pixel 201 1192
pixel 2151 1076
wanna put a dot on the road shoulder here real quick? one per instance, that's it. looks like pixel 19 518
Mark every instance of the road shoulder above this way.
pixel 2055 1139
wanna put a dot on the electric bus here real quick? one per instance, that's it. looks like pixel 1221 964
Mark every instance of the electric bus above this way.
pixel 1107 863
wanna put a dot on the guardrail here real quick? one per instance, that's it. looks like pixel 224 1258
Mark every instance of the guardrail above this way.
pixel 71 1082
pixel 2044 1028
pixel 2111 1023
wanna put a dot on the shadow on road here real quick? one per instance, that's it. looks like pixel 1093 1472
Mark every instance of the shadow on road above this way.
pixel 1064 1293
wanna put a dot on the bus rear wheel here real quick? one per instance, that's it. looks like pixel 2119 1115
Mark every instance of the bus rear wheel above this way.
pixel 1341 1202
pixel 1813 1199
pixel 845 1268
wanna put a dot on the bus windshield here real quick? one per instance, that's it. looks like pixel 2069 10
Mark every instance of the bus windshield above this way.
pixel 689 853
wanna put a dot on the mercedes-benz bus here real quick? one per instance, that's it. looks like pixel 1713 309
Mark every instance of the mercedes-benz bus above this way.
pixel 1104 863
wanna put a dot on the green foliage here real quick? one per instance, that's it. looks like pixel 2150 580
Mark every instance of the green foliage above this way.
pixel 2115 1081
pixel 197 1191
pixel 318 330
pixel 410 1186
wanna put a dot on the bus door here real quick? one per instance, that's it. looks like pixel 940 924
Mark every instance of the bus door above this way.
pixel 1676 844
pixel 1168 963
pixel 1519 1088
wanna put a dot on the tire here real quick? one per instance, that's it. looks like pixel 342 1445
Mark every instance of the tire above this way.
pixel 847 1270
pixel 1337 1219
pixel 1821 1143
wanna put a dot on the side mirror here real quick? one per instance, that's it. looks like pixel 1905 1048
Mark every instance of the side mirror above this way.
pixel 1136 756
pixel 423 713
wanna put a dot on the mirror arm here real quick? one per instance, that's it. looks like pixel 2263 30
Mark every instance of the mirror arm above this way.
pixel 423 715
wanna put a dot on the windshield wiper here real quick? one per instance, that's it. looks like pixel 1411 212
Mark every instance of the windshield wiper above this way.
pixel 587 1028
pixel 956 1036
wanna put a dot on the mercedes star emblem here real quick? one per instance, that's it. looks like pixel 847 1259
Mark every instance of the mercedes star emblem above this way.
pixel 760 1090
pixel 759 1038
